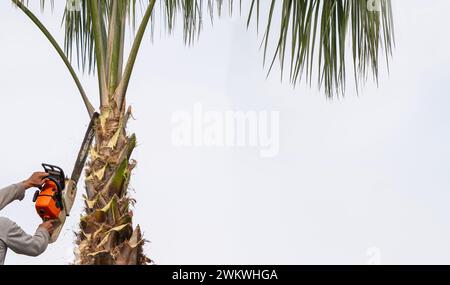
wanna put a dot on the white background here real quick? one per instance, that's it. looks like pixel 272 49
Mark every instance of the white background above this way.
pixel 352 174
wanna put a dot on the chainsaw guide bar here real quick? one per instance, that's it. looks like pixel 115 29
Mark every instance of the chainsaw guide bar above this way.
pixel 54 200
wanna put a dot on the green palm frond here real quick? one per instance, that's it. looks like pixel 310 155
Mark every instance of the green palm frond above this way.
pixel 314 33
pixel 59 50
pixel 311 38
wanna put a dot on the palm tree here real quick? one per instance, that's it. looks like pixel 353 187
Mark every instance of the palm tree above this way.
pixel 311 39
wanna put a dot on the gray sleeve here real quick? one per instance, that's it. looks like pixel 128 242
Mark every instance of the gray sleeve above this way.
pixel 22 243
pixel 11 193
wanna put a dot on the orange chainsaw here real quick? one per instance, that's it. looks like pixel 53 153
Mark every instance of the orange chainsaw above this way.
pixel 55 198
pixel 49 201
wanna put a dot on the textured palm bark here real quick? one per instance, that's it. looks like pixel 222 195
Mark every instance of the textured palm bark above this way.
pixel 106 235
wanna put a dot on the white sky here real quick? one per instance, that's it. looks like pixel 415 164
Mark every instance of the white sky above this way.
pixel 353 174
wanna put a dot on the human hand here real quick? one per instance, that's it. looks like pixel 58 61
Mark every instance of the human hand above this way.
pixel 49 226
pixel 37 179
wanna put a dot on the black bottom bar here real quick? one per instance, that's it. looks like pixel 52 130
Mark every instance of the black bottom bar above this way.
pixel 212 274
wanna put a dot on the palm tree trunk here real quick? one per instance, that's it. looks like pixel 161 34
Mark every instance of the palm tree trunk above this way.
pixel 106 235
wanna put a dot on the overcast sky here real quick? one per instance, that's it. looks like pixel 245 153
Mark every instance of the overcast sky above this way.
pixel 356 180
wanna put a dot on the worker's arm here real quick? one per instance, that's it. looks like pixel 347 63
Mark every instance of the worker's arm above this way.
pixel 17 191
pixel 11 193
pixel 22 243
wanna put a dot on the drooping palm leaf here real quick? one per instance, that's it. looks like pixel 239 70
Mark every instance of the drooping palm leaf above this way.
pixel 59 50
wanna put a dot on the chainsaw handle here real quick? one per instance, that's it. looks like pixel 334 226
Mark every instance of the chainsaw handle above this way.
pixel 36 195
pixel 54 171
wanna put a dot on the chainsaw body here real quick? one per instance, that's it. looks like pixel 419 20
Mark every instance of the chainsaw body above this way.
pixel 49 198
pixel 55 198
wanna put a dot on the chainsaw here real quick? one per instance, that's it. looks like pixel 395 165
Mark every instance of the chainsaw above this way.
pixel 55 198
